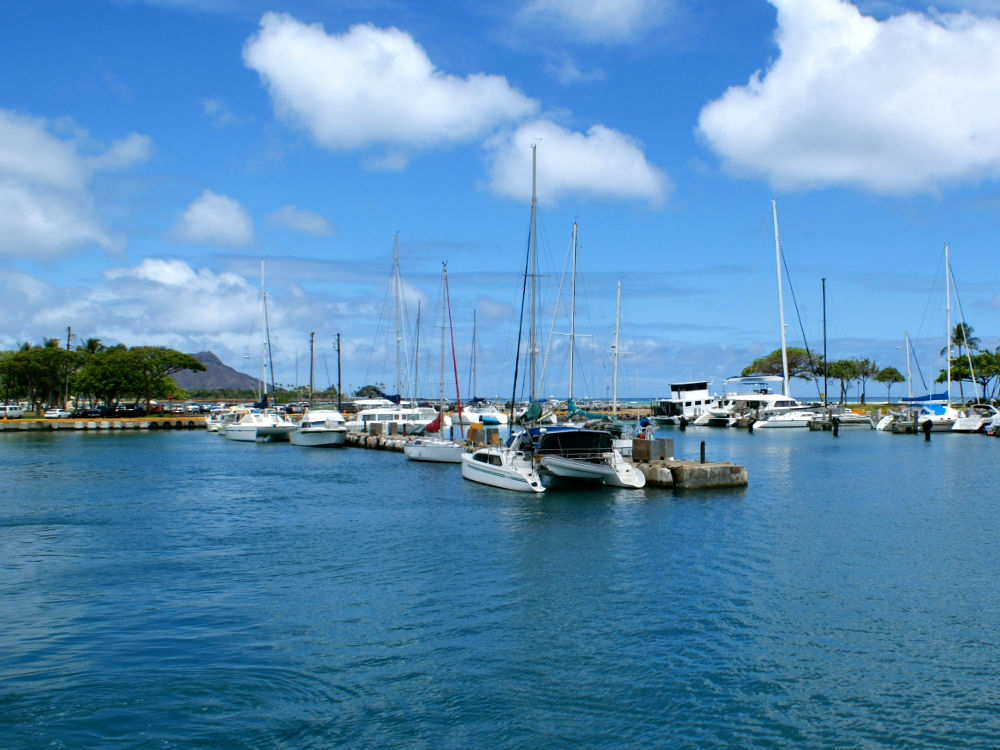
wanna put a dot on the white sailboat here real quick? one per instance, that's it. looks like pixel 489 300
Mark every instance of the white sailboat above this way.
pixel 439 448
pixel 324 427
pixel 942 416
pixel 790 413
pixel 512 466
pixel 261 423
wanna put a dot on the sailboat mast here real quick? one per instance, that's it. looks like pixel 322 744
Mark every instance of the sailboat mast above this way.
pixel 473 354
pixel 947 317
pixel 262 391
pixel 399 328
pixel 532 346
pixel 572 314
pixel 614 379
pixel 824 341
pixel 909 374
pixel 444 281
pixel 416 357
pixel 781 306
pixel 312 341
pixel 339 399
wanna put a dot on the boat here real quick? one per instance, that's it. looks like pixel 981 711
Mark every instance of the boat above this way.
pixel 787 418
pixel 259 426
pixel 439 448
pixel 976 418
pixel 747 397
pixel 843 418
pixel 570 452
pixel 507 467
pixel 687 402
pixel 941 417
pixel 322 427
pixel 404 418
pixel 512 466
pixel 479 410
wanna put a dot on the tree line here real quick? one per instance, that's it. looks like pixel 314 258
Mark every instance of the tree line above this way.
pixel 984 371
pixel 99 374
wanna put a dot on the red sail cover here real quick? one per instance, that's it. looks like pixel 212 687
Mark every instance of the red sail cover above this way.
pixel 435 425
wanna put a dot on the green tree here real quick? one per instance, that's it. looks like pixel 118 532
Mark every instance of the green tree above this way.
pixel 800 365
pixel 156 364
pixel 961 338
pixel 889 376
pixel 845 371
pixel 864 369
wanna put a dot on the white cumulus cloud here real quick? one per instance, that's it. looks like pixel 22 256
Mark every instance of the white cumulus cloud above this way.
pixel 46 208
pixel 374 87
pixel 214 219
pixel 601 163
pixel 893 106
pixel 301 220
pixel 597 20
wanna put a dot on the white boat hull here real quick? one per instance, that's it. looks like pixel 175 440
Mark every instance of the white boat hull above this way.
pixel 429 449
pixel 614 473
pixel 319 438
pixel 240 433
pixel 513 473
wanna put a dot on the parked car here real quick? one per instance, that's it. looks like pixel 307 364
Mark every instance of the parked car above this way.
pixel 57 414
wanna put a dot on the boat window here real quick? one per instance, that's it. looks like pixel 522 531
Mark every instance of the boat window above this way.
pixel 482 458
pixel 495 460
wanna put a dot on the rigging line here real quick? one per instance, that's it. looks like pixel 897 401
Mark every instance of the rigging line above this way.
pixel 961 312
pixel 555 314
pixel 933 293
pixel 795 304
pixel 520 330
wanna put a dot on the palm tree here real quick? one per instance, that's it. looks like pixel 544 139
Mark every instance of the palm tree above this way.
pixel 91 346
pixel 961 337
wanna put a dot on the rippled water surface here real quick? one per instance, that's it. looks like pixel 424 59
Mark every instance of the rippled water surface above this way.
pixel 177 590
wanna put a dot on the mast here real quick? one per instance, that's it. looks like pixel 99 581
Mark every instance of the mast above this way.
pixel 416 357
pixel 947 317
pixel 444 280
pixel 312 339
pixel 338 374
pixel 399 329
pixel 267 336
pixel 532 346
pixel 473 369
pixel 262 391
pixel 572 314
pixel 909 374
pixel 824 342
pixel 781 307
pixel 614 380
pixel 454 365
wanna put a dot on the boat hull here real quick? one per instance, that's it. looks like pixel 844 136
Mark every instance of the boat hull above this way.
pixel 505 476
pixel 438 451
pixel 319 438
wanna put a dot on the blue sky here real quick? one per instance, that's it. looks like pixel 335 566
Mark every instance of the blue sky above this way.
pixel 153 153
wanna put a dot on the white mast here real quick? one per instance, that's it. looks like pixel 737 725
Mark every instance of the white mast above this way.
pixel 534 267
pixel 473 353
pixel 263 331
pixel 399 328
pixel 572 314
pixel 781 307
pixel 947 317
pixel 614 380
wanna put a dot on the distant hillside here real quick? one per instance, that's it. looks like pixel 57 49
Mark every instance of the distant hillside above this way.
pixel 216 375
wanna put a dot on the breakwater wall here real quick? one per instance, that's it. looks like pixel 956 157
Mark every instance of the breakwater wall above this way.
pixel 134 423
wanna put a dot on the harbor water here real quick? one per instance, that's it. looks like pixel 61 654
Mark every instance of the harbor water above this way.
pixel 175 590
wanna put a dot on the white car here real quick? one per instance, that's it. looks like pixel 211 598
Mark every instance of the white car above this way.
pixel 57 414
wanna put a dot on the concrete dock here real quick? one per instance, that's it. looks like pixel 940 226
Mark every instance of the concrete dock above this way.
pixel 134 423
pixel 654 458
